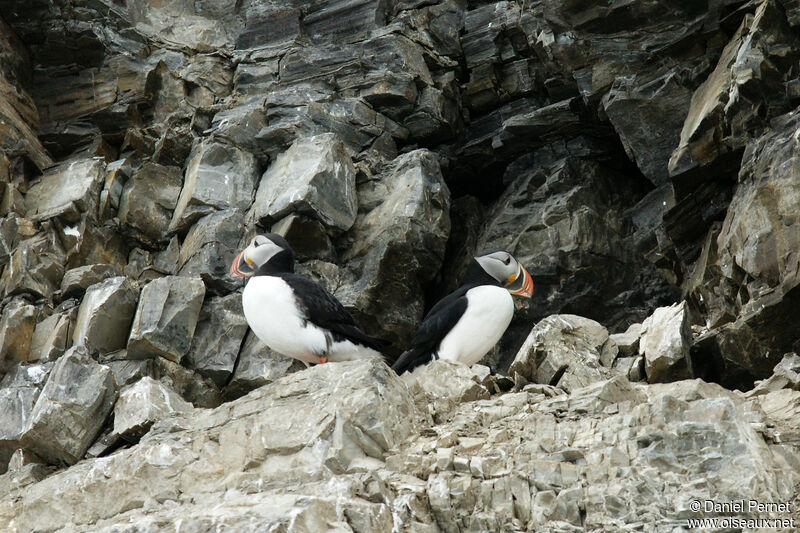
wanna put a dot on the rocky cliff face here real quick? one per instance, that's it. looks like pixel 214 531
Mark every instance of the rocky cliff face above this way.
pixel 639 158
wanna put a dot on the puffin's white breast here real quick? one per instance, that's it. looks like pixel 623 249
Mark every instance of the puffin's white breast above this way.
pixel 272 312
pixel 489 312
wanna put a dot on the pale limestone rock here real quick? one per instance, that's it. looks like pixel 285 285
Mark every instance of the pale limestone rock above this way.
pixel 52 336
pixel 142 404
pixel 665 344
pixel 628 342
pixel 217 177
pixel 786 375
pixel 17 324
pixel 316 177
pixel 283 453
pixel 105 315
pixel 441 385
pixel 71 409
pixel 67 190
pixel 166 318
pixel 564 350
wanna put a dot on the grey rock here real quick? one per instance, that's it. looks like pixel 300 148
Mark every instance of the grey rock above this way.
pixel 127 371
pixel 306 236
pixel 564 350
pixel 665 344
pixel 399 239
pixel 576 221
pixel 441 385
pixel 67 191
pixel 648 115
pixel 71 409
pixel 53 335
pixel 117 173
pixel 149 198
pixel 218 338
pixel 77 280
pixel 87 244
pixel 17 108
pixel 19 390
pixel 722 105
pixel 745 332
pixel 166 318
pixel 105 315
pixel 143 403
pixel 786 375
pixel 36 266
pixel 193 387
pixel 369 414
pixel 17 324
pixel 217 177
pixel 258 365
pixel 316 177
pixel 210 246
pixel 628 342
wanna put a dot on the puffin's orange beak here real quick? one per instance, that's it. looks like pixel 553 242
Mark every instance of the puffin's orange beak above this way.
pixel 527 285
pixel 235 270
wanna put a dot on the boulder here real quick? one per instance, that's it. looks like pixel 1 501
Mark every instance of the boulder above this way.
pixel 565 351
pixel 17 324
pixel 648 112
pixel 218 338
pixel 306 236
pixel 77 280
pixel 396 246
pixel 142 404
pixel 210 246
pixel 71 409
pixel 628 342
pixel 149 198
pixel 105 315
pixel 19 390
pixel 67 191
pixel 315 177
pixel 36 266
pixel 217 177
pixel 166 318
pixel 53 335
pixel 666 342
pixel 440 386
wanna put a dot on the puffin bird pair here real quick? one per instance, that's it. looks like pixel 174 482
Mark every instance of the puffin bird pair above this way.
pixel 299 318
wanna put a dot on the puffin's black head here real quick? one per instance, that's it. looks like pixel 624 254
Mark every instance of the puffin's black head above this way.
pixel 502 268
pixel 267 254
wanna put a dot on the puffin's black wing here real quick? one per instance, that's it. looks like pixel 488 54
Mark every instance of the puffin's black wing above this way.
pixel 322 309
pixel 435 326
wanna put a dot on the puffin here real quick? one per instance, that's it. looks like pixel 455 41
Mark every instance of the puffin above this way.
pixel 464 325
pixel 292 314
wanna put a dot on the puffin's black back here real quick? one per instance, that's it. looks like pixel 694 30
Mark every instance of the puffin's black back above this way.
pixel 440 320
pixel 318 305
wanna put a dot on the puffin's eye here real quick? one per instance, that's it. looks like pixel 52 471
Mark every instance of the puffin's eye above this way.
pixel 507 260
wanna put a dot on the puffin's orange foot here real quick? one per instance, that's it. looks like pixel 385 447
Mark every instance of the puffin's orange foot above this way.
pixel 323 359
